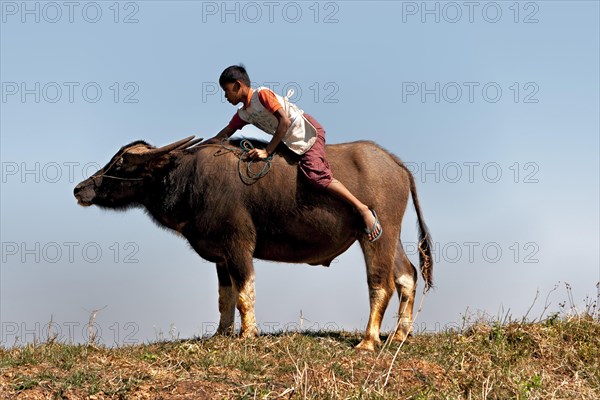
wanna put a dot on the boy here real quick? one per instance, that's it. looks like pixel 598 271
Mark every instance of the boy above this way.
pixel 301 133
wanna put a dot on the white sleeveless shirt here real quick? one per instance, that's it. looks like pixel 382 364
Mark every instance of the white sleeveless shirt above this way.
pixel 301 134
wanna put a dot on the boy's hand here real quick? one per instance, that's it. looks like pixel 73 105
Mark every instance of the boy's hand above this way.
pixel 258 154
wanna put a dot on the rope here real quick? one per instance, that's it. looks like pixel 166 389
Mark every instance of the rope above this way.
pixel 249 177
pixel 245 146
pixel 104 175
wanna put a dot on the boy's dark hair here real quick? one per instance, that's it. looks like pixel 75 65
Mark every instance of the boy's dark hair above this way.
pixel 234 73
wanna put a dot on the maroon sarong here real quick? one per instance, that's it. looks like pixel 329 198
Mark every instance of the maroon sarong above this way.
pixel 314 164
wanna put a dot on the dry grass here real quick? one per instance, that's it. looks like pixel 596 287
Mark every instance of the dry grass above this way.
pixel 555 358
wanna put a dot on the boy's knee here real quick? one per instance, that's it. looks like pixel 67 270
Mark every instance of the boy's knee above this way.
pixel 318 172
pixel 321 182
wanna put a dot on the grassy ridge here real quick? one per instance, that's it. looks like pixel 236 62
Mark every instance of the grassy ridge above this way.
pixel 556 358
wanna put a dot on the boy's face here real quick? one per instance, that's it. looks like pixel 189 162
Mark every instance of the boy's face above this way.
pixel 233 92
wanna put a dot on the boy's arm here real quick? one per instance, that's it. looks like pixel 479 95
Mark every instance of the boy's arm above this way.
pixel 235 124
pixel 284 124
pixel 282 127
pixel 223 134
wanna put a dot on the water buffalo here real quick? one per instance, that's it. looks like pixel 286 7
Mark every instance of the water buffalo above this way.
pixel 195 189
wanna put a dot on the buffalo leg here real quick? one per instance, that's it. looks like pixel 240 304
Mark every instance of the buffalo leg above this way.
pixel 241 272
pixel 227 300
pixel 379 258
pixel 405 278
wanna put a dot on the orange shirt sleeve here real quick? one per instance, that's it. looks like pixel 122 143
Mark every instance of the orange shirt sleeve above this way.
pixel 268 99
pixel 237 122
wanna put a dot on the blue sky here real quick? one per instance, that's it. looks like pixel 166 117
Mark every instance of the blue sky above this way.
pixel 494 106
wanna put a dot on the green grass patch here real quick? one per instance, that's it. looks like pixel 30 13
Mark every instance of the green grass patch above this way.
pixel 554 358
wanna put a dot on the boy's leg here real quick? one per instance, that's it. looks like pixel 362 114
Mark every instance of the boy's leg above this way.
pixel 338 189
pixel 316 168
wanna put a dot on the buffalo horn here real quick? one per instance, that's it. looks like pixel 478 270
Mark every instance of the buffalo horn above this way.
pixel 138 158
pixel 189 144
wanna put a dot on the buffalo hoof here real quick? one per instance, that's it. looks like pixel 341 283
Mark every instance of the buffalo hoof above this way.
pixel 367 345
pixel 402 336
pixel 249 333
pixel 224 332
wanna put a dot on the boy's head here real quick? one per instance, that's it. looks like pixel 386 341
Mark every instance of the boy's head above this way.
pixel 233 74
pixel 235 83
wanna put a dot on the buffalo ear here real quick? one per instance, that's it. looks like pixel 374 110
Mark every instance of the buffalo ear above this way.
pixel 160 161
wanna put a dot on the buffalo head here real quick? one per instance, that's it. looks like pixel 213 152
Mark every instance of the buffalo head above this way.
pixel 117 184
